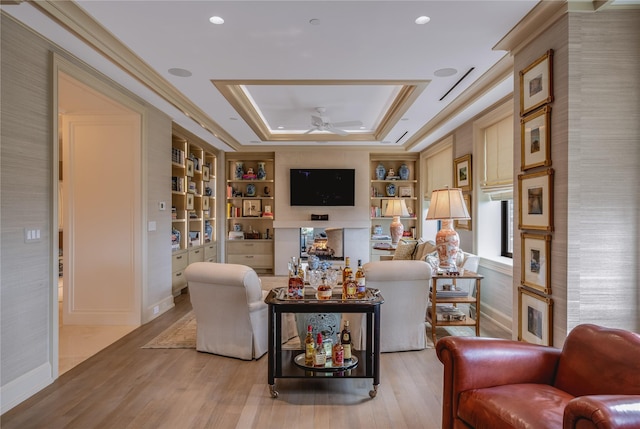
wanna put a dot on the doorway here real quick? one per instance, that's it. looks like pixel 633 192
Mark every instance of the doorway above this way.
pixel 99 199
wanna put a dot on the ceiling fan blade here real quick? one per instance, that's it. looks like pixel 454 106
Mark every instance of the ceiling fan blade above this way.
pixel 310 130
pixel 335 130
pixel 316 121
pixel 347 124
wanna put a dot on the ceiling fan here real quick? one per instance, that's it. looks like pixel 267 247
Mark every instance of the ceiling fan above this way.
pixel 323 123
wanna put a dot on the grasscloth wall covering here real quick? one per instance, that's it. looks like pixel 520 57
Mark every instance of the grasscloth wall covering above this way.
pixel 595 153
pixel 26 200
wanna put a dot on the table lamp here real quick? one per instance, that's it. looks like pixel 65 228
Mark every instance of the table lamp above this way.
pixel 447 205
pixel 396 208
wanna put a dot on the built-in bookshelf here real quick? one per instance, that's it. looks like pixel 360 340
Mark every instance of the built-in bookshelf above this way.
pixel 393 176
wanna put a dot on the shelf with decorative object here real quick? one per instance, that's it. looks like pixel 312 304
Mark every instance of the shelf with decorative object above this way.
pixel 392 177
pixel 250 205
pixel 193 203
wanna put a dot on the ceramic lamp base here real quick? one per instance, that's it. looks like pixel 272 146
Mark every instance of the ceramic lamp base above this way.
pixel 448 245
pixel 396 229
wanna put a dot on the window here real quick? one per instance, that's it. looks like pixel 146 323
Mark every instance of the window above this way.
pixel 507 228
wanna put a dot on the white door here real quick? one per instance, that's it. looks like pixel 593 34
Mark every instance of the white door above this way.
pixel 102 212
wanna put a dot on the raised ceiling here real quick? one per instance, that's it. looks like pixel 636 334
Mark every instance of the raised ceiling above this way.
pixel 258 79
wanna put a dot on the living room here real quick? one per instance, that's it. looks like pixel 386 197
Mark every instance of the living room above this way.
pixel 594 137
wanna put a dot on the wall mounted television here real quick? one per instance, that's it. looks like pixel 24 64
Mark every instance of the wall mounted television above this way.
pixel 322 186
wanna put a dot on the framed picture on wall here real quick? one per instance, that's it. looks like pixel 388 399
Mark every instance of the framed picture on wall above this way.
pixel 535 139
pixel 535 204
pixel 536 257
pixel 462 173
pixel 535 319
pixel 536 83
pixel 405 191
pixel 465 224
pixel 206 175
pixel 190 201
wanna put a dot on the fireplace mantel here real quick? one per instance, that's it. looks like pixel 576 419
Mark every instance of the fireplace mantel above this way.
pixel 321 224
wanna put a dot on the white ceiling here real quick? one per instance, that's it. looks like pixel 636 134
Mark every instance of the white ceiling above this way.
pixel 355 63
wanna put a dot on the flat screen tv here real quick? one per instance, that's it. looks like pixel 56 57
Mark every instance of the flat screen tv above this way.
pixel 322 187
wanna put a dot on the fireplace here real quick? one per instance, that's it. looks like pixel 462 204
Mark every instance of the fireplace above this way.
pixel 325 243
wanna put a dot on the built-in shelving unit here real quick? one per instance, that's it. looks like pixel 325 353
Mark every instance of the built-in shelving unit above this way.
pixel 193 205
pixel 250 210
pixel 386 187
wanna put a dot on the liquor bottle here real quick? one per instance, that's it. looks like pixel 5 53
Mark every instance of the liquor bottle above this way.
pixel 361 288
pixel 309 348
pixel 349 288
pixel 320 358
pixel 345 339
pixel 347 270
pixel 324 290
pixel 337 354
pixel 296 284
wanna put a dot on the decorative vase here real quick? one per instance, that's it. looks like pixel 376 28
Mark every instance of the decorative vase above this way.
pixel 208 231
pixel 447 243
pixel 262 173
pixel 380 172
pixel 391 190
pixel 377 230
pixel 404 172
pixel 251 190
pixel 239 170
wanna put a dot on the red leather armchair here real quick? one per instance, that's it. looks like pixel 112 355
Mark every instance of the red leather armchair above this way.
pixel 593 382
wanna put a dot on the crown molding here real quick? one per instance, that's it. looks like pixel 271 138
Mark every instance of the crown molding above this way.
pixel 69 15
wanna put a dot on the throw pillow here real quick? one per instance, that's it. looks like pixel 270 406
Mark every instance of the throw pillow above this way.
pixel 404 250
pixel 423 249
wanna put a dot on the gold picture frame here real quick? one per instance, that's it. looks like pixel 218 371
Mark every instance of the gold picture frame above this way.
pixel 535 141
pixel 466 223
pixel 206 176
pixel 462 173
pixel 536 83
pixel 535 200
pixel 535 319
pixel 190 167
pixel 190 200
pixel 536 258
pixel 405 191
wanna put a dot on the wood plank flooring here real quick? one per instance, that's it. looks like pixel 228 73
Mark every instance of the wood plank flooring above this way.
pixel 125 386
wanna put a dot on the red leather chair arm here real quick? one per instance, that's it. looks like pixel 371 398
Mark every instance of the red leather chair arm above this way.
pixel 603 412
pixel 471 362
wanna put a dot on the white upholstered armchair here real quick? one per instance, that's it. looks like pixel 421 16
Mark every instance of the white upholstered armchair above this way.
pixel 231 315
pixel 404 285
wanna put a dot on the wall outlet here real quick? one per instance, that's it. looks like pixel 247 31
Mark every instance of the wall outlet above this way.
pixel 156 309
pixel 162 205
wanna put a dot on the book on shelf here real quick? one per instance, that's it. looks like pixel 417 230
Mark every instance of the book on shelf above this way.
pixel 177 155
pixel 447 313
pixel 449 291
pixel 376 211
pixel 177 184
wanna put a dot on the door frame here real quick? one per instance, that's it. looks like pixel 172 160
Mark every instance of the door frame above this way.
pixel 105 88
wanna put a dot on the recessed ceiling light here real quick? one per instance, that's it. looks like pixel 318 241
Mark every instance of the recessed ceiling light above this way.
pixel 363 128
pixel 233 118
pixel 314 21
pixel 216 20
pixel 422 20
pixel 445 72
pixel 255 141
pixel 280 127
pixel 180 72
pixel 404 119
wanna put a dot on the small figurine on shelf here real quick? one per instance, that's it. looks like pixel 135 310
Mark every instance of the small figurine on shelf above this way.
pixel 249 175
pixel 267 212
pixel 267 191
pixel 391 175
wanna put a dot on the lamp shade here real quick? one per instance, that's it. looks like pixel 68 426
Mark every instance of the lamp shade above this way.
pixel 447 203
pixel 396 207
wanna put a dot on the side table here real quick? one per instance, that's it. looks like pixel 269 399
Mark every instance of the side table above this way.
pixel 434 299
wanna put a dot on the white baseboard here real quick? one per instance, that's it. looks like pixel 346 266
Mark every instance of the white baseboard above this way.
pixel 497 317
pixel 157 309
pixel 25 386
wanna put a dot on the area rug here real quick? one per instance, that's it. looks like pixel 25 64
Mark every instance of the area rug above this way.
pixel 182 335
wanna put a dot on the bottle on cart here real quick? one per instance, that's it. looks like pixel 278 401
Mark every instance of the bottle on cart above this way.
pixel 337 354
pixel 309 348
pixel 345 340
pixel 320 358
pixel 361 287
pixel 347 270
pixel 349 288
pixel 324 290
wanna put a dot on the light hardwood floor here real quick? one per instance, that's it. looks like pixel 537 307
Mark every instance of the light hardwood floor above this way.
pixel 125 386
